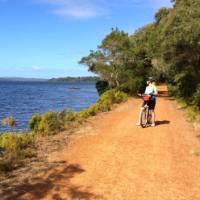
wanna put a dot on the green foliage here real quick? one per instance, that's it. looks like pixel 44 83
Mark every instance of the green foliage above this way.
pixel 104 104
pixel 70 116
pixel 113 96
pixel 54 122
pixel 167 49
pixel 117 59
pixel 34 122
pixel 14 148
pixel 50 124
pixel 186 85
pixel 102 86
pixel 196 97
pixel 47 124
pixel 133 86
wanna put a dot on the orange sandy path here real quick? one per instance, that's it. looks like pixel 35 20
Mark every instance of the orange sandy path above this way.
pixel 118 161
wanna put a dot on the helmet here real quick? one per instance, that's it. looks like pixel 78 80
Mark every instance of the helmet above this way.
pixel 151 79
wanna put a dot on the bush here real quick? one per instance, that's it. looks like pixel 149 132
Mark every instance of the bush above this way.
pixel 53 122
pixel 9 121
pixel 104 104
pixel 196 97
pixel 172 89
pixel 70 116
pixel 93 109
pixel 11 142
pixel 186 84
pixel 14 148
pixel 34 122
pixel 50 124
pixel 112 96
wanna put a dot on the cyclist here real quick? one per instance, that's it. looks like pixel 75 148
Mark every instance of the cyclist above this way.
pixel 152 91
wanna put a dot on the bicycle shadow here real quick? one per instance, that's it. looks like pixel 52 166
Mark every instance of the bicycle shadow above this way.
pixel 158 123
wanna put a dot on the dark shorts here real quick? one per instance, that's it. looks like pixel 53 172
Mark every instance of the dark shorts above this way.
pixel 151 104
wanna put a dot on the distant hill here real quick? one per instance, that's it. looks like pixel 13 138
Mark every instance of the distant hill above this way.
pixel 75 79
pixel 22 79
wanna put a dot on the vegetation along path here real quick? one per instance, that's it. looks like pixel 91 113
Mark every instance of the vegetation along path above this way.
pixel 117 160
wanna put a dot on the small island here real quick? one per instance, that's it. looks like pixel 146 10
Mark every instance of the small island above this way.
pixel 87 79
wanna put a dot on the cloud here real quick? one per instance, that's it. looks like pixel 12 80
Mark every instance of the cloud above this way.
pixel 83 9
pixel 36 68
pixel 77 9
pixel 77 12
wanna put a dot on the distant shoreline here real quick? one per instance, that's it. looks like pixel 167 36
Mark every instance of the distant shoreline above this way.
pixel 75 79
pixel 22 79
pixel 68 79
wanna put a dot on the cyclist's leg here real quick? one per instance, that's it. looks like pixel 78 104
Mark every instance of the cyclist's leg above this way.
pixel 153 117
pixel 152 108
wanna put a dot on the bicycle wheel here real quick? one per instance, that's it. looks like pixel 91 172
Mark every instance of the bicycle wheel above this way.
pixel 144 116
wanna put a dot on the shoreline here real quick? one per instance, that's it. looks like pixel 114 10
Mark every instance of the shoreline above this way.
pixel 15 148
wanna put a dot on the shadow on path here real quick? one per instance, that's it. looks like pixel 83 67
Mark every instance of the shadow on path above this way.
pixel 158 123
pixel 57 180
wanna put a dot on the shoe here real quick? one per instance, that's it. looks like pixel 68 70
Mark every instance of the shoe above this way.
pixel 153 125
pixel 138 124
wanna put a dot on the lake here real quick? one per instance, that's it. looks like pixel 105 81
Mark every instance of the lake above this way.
pixel 22 99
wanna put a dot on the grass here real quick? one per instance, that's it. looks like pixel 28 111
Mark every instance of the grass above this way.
pixel 192 114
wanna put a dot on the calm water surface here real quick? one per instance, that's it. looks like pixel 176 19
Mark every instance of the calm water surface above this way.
pixel 22 99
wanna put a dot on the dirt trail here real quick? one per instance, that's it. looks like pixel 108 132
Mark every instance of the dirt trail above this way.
pixel 117 160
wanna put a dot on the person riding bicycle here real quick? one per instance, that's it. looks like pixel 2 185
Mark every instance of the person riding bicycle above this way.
pixel 150 90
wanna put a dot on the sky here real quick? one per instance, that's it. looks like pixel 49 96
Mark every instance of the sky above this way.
pixel 47 38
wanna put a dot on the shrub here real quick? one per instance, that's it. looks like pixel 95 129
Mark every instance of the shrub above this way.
pixel 71 116
pixel 50 124
pixel 34 122
pixel 14 148
pixel 11 142
pixel 120 97
pixel 93 109
pixel 9 121
pixel 112 96
pixel 172 90
pixel 196 97
pixel 186 84
pixel 47 124
pixel 53 122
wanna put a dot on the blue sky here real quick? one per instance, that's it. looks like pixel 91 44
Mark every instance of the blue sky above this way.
pixel 47 38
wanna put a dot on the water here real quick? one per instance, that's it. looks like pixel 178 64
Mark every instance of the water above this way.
pixel 22 99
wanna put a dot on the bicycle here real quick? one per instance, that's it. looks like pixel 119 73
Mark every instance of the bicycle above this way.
pixel 146 115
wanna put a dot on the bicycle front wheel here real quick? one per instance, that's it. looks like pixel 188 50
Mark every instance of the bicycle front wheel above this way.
pixel 144 118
